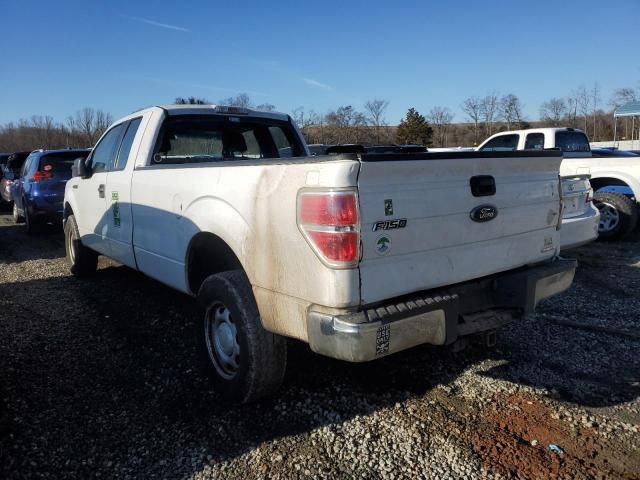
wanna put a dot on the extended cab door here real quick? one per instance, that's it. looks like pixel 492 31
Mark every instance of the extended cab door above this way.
pixel 119 218
pixel 91 216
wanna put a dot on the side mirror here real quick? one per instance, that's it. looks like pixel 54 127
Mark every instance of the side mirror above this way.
pixel 80 168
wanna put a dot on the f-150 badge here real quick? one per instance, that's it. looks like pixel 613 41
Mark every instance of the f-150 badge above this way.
pixel 390 224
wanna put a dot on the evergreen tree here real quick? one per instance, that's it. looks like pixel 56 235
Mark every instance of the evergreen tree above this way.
pixel 414 129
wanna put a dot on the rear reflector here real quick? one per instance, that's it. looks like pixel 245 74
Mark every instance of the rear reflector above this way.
pixel 330 222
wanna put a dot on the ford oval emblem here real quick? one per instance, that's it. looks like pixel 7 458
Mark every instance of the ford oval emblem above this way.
pixel 484 213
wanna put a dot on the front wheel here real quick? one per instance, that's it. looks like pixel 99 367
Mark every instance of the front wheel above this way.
pixel 82 260
pixel 618 215
pixel 246 361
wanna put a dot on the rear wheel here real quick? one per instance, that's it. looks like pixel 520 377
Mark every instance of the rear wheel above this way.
pixel 82 260
pixel 618 215
pixel 30 223
pixel 246 361
pixel 17 218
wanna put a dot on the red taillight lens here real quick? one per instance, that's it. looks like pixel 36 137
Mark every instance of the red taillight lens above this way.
pixel 329 209
pixel 40 175
pixel 337 246
pixel 330 222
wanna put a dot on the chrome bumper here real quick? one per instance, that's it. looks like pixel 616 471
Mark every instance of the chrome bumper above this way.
pixel 437 318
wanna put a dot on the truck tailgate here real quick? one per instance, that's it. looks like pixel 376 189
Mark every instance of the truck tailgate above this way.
pixel 416 214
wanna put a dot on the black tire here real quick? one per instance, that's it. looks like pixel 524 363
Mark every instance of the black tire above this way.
pixel 32 225
pixel 82 260
pixel 618 215
pixel 246 361
pixel 17 218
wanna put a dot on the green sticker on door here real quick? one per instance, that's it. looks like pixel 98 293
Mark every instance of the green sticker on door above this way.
pixel 115 208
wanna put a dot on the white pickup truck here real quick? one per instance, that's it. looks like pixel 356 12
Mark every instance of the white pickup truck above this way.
pixel 615 180
pixel 360 255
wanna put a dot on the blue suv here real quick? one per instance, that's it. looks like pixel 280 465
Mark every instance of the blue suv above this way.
pixel 38 193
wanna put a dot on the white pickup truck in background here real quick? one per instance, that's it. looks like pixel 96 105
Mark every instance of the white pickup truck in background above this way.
pixel 615 180
pixel 359 255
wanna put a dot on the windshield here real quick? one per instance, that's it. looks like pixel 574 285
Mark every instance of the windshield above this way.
pixel 569 141
pixel 195 139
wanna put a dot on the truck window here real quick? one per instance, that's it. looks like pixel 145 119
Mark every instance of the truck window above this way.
pixel 102 157
pixel 534 141
pixel 503 143
pixel 572 141
pixel 127 142
pixel 196 139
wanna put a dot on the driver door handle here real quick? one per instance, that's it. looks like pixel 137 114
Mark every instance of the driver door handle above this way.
pixel 101 190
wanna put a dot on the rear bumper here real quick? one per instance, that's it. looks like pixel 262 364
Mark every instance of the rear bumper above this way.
pixel 577 231
pixel 437 318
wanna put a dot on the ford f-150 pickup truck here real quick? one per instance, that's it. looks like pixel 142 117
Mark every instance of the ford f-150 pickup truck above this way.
pixel 615 180
pixel 358 254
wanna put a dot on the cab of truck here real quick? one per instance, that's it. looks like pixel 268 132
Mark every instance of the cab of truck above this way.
pixel 580 218
pixel 615 180
pixel 572 142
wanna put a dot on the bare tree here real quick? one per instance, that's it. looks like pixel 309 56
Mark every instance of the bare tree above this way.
pixel 90 123
pixel 472 106
pixel 583 102
pixel 511 110
pixel 440 118
pixel 240 100
pixel 624 95
pixel 489 111
pixel 345 125
pixel 191 101
pixel 553 111
pixel 375 110
pixel 266 107
pixel 595 101
pixel 619 98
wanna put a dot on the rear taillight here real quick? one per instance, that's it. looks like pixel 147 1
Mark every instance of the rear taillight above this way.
pixel 40 175
pixel 330 222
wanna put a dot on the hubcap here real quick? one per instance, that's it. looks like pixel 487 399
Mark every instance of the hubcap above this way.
pixel 221 336
pixel 609 217
pixel 70 247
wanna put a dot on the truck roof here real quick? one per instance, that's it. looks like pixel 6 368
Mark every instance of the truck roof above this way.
pixel 545 130
pixel 173 109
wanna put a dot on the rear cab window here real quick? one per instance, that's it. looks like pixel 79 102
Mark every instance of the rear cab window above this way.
pixel 572 141
pixel 212 138
pixel 534 141
pixel 503 143
pixel 59 164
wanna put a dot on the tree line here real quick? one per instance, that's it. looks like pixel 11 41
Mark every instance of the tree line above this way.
pixel 82 129
pixel 484 115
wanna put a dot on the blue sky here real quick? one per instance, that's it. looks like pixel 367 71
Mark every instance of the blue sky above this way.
pixel 57 57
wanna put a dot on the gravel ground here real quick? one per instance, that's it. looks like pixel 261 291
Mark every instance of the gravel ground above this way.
pixel 99 379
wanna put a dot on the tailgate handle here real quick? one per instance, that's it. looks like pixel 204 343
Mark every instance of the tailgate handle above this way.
pixel 482 186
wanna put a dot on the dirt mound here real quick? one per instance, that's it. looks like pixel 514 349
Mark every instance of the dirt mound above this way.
pixel 517 434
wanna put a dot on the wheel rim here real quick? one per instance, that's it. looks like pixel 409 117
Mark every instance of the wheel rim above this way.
pixel 70 246
pixel 221 335
pixel 609 217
